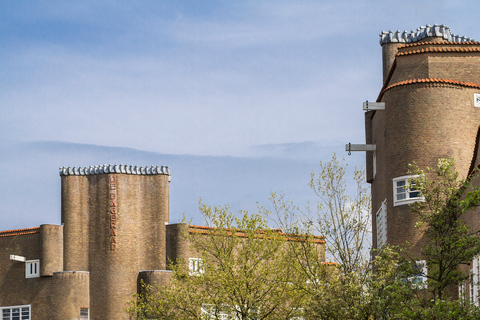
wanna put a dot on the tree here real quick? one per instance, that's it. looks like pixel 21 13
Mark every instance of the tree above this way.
pixel 386 287
pixel 450 242
pixel 247 274
pixel 341 291
pixel 252 271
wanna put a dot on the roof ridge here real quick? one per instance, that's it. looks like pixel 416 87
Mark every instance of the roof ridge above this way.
pixel 205 231
pixel 19 230
pixel 431 80
pixel 446 50
pixel 441 43
pixel 316 239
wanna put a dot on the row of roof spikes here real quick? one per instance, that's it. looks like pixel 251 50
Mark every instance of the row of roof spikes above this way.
pixel 114 168
pixel 421 33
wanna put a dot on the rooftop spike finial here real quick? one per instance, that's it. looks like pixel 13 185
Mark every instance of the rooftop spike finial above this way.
pixel 422 32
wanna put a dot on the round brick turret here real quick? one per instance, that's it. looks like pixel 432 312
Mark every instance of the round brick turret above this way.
pixel 430 79
pixel 114 223
pixel 68 293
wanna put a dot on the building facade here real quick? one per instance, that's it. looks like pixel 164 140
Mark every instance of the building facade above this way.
pixel 114 233
pixel 431 93
pixel 431 97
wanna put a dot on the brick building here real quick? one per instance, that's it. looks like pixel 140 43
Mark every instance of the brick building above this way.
pixel 431 96
pixel 115 233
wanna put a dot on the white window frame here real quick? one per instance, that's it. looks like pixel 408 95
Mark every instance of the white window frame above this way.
pixel 461 291
pixel 476 100
pixel 475 281
pixel 209 312
pixel 82 317
pixel 420 279
pixel 297 314
pixel 32 268
pixel 195 266
pixel 21 310
pixel 410 196
pixel 225 312
pixel 381 224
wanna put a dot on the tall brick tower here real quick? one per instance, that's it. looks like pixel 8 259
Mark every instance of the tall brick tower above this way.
pixel 430 93
pixel 114 220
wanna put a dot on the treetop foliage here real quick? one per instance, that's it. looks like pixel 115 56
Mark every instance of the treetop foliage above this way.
pixel 251 271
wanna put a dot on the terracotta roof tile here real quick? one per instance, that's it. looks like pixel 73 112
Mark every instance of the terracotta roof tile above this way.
pixel 431 80
pixel 443 43
pixel 437 50
pixel 17 232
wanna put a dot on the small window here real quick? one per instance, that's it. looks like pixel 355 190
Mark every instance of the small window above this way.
pixel 402 195
pixel 15 313
pixel 84 314
pixel 196 266
pixel 32 269
pixel 419 278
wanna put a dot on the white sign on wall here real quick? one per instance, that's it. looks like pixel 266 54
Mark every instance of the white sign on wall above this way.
pixel 476 100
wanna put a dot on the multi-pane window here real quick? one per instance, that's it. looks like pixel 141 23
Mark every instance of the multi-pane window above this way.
pixel 209 311
pixel 402 194
pixel 32 269
pixel 226 312
pixel 196 267
pixel 84 314
pixel 419 278
pixel 382 224
pixel 15 313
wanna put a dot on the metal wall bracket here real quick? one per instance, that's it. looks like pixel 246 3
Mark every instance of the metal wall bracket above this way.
pixel 359 147
pixel 373 105
pixel 17 258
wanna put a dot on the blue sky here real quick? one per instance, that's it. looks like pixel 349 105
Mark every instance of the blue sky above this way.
pixel 281 79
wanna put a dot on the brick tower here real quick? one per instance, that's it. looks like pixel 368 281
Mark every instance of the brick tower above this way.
pixel 431 82
pixel 114 227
